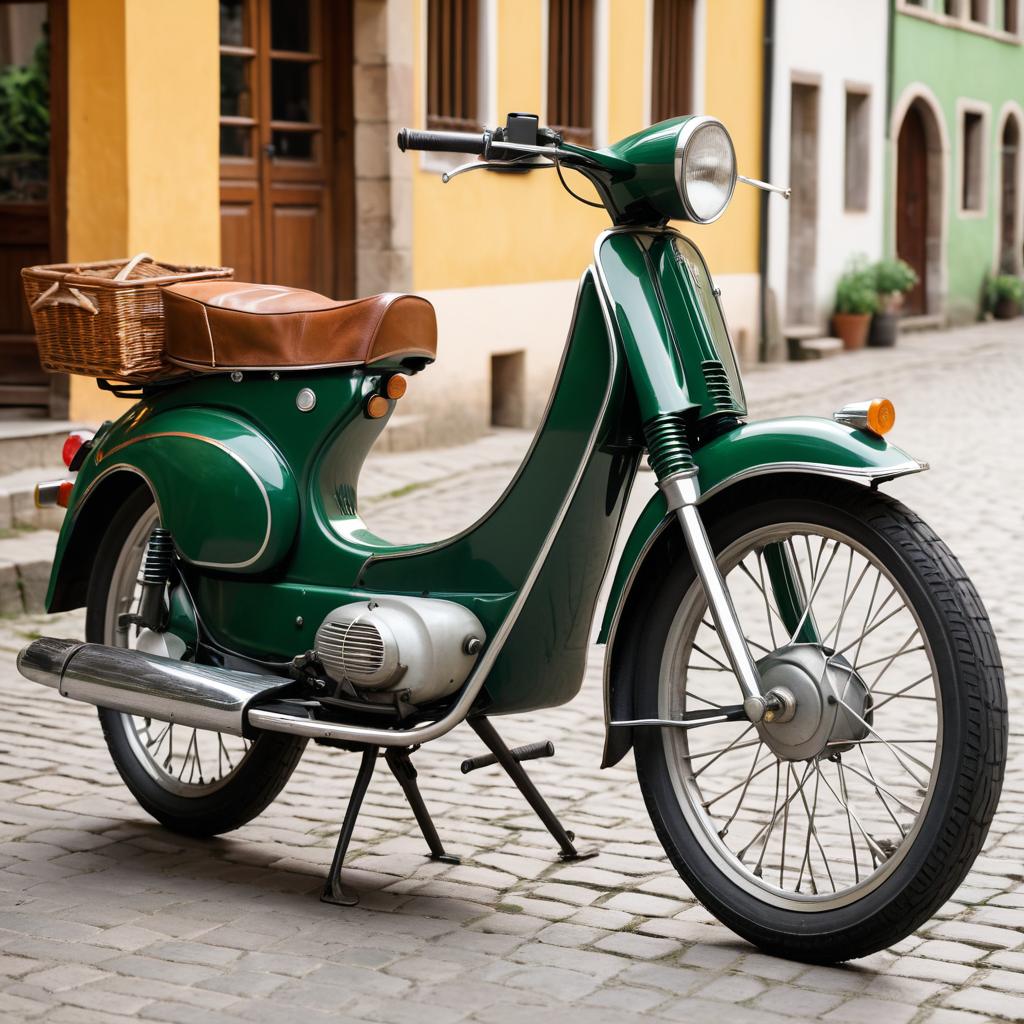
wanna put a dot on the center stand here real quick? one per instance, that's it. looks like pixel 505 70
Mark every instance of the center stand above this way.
pixel 399 761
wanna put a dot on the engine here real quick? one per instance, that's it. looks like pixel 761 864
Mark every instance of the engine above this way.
pixel 419 645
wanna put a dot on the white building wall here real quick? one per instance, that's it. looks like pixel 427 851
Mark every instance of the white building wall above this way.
pixel 835 44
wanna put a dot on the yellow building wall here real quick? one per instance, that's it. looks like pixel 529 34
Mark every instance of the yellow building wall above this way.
pixel 486 229
pixel 143 158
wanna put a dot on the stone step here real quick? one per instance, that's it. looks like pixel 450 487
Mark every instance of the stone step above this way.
pixel 925 322
pixel 814 348
pixel 25 560
pixel 28 443
pixel 17 499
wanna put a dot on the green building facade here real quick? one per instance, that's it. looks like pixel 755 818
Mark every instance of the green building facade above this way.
pixel 954 161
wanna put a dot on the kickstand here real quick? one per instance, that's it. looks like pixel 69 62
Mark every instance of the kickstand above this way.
pixel 515 771
pixel 405 772
pixel 401 765
pixel 334 891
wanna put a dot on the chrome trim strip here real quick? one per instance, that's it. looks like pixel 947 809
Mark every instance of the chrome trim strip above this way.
pixel 860 474
pixel 273 722
pixel 448 541
pixel 101 456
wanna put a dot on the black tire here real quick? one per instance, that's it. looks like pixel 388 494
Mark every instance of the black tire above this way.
pixel 257 780
pixel 971 692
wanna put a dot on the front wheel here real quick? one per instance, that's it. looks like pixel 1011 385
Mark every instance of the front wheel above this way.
pixel 841 826
pixel 192 781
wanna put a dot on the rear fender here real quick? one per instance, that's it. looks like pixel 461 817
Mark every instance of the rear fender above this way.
pixel 223 490
pixel 801 445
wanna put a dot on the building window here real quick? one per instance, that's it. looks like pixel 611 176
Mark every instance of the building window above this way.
pixel 856 179
pixel 972 198
pixel 951 8
pixel 672 59
pixel 1011 14
pixel 453 65
pixel 979 11
pixel 571 69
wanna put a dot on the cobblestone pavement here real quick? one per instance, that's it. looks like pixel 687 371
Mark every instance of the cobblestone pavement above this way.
pixel 105 916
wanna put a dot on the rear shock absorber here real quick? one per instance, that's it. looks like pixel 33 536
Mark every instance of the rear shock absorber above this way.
pixel 156 574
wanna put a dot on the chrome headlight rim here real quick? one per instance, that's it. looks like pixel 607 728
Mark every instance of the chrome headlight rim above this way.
pixel 686 134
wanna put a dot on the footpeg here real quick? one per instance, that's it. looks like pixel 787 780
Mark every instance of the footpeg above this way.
pixel 509 761
pixel 530 752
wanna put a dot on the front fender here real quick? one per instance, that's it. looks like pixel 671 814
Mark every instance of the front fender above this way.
pixel 800 444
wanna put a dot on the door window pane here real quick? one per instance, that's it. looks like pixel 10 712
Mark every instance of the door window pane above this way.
pixel 293 145
pixel 235 140
pixel 233 23
pixel 25 105
pixel 235 90
pixel 289 90
pixel 289 25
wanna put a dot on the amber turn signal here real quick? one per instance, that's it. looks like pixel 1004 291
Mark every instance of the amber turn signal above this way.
pixel 877 416
pixel 64 493
pixel 376 406
pixel 396 386
pixel 881 416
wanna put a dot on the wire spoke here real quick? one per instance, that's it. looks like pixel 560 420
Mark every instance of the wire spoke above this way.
pixel 902 693
pixel 723 751
pixel 893 747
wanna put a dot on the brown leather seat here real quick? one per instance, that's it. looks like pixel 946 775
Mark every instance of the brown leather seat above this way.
pixel 218 325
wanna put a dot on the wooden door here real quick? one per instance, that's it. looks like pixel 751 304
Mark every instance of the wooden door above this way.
pixel 912 206
pixel 32 176
pixel 286 143
pixel 1009 246
pixel 803 207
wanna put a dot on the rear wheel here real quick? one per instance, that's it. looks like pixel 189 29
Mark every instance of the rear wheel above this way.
pixel 839 830
pixel 191 780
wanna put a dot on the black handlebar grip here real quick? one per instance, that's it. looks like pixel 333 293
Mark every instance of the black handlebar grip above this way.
pixel 441 142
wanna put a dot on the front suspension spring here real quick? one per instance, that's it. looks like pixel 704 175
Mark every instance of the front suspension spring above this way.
pixel 668 445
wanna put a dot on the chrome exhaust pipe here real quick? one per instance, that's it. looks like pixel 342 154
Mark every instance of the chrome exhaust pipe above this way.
pixel 197 696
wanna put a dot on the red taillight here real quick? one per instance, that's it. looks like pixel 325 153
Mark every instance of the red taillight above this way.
pixel 64 492
pixel 72 445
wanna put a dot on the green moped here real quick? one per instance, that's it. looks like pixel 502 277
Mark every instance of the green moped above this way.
pixel 806 677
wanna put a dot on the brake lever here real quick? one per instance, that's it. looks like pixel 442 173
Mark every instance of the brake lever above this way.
pixel 784 191
pixel 500 165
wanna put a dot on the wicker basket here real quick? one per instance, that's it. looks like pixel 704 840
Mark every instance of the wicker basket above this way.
pixel 106 319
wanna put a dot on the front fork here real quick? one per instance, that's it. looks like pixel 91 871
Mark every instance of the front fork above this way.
pixel 681 493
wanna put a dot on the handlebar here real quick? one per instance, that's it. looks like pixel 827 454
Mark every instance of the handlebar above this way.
pixel 441 142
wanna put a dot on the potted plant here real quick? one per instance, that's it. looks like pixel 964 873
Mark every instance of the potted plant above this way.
pixel 856 301
pixel 893 279
pixel 1005 296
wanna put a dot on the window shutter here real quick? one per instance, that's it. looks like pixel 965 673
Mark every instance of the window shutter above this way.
pixel 672 59
pixel 571 69
pixel 453 45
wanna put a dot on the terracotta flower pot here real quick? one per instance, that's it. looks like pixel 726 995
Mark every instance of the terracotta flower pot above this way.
pixel 852 328
pixel 1006 309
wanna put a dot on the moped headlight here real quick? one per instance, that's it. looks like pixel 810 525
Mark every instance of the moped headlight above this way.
pixel 705 168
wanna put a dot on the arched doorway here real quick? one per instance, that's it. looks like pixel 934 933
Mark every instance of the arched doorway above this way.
pixel 919 199
pixel 1009 192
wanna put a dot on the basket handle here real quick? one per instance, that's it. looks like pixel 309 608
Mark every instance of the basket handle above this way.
pixel 125 272
pixel 56 296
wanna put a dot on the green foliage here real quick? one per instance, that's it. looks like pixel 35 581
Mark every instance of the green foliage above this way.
pixel 856 291
pixel 25 105
pixel 1005 286
pixel 893 277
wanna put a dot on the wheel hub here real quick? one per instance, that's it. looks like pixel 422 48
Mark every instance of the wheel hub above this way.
pixel 807 686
